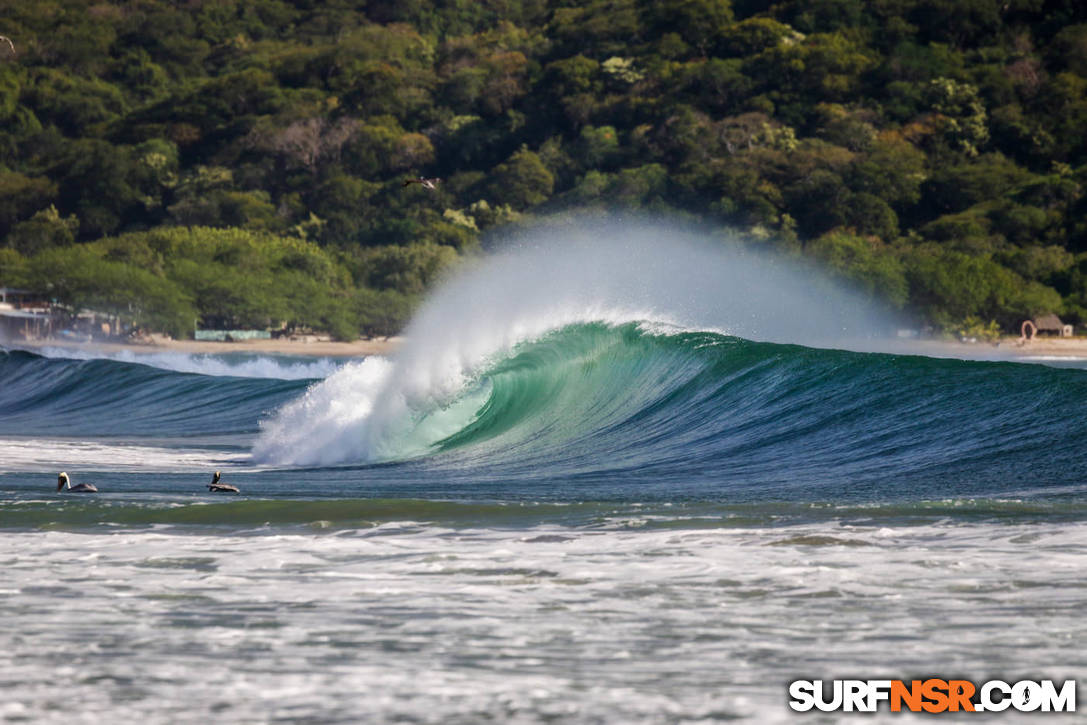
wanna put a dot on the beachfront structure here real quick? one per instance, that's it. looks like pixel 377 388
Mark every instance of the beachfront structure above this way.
pixel 231 335
pixel 1051 324
pixel 25 324
pixel 24 315
pixel 19 298
pixel 29 315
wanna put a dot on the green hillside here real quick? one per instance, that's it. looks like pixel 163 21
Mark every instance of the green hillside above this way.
pixel 241 163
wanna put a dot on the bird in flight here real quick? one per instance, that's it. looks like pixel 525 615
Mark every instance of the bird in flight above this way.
pixel 426 183
pixel 6 39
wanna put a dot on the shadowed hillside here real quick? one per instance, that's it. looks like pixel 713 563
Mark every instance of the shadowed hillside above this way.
pixel 242 163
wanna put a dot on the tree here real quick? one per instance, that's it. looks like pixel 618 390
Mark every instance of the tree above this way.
pixel 44 230
pixel 521 181
pixel 961 113
pixel 821 67
pixel 892 169
pixel 607 26
pixel 958 187
pixel 409 270
pixel 920 126
pixel 754 35
pixel 98 181
pixel 309 142
pixel 698 22
pixel 21 196
pixel 13 268
pixel 951 286
pixel 78 277
pixel 865 262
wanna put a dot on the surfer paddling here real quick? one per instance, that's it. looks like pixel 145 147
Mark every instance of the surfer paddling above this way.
pixel 64 483
pixel 216 487
pixel 424 182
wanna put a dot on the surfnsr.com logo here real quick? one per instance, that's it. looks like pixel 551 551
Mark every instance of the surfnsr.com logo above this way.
pixel 932 695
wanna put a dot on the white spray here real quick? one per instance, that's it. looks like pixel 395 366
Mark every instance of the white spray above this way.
pixel 275 367
pixel 610 272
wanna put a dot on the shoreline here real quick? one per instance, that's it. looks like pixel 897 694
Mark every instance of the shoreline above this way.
pixel 301 348
pixel 1008 348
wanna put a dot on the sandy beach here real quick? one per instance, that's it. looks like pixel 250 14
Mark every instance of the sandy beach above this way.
pixel 1055 346
pixel 307 347
pixel 1007 348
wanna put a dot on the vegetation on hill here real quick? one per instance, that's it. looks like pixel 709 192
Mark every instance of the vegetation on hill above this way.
pixel 240 162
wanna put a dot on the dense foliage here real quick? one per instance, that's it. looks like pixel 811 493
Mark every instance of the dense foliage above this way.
pixel 239 162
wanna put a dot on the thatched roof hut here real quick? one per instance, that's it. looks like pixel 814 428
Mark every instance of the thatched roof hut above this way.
pixel 1049 323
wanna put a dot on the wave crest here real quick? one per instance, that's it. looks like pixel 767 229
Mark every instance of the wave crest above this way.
pixel 610 275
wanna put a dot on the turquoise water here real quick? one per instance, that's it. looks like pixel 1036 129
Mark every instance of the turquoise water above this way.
pixel 551 505
pixel 588 413
pixel 625 527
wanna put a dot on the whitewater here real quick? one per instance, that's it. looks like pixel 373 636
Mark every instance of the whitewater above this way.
pixel 618 473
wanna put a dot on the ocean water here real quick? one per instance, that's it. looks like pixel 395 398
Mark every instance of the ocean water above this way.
pixel 626 482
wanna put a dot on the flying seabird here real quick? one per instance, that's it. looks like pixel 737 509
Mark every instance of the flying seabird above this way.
pixel 63 482
pixel 426 183
pixel 215 486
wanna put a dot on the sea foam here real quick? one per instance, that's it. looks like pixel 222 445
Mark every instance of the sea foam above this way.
pixel 608 272
pixel 240 365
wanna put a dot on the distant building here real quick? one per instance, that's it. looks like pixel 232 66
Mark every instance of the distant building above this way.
pixel 24 315
pixel 18 298
pixel 231 335
pixel 1051 325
